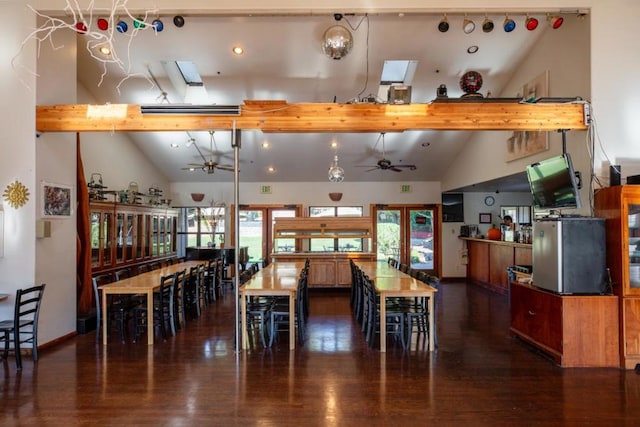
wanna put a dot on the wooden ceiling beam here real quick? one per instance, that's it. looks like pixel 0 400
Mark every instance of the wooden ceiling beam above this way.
pixel 269 116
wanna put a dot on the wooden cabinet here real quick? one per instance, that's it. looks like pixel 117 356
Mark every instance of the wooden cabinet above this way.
pixel 620 206
pixel 125 235
pixel 327 270
pixel 576 331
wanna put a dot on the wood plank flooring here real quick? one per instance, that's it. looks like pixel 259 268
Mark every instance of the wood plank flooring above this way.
pixel 479 375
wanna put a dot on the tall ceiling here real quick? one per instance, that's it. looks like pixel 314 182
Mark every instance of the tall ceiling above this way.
pixel 283 60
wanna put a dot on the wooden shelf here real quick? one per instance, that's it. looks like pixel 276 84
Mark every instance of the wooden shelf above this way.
pixel 323 228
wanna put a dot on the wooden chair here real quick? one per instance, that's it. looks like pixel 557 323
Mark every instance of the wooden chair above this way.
pixel 24 325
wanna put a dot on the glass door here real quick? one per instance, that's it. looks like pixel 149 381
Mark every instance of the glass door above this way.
pixel 407 233
pixel 256 230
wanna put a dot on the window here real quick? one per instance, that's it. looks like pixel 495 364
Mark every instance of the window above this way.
pixel 521 215
pixel 335 245
pixel 201 226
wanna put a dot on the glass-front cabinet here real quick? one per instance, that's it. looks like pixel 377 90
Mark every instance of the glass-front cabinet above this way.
pixel 620 205
pixel 126 235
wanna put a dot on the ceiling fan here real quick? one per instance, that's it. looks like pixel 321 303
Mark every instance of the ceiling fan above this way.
pixel 208 165
pixel 384 164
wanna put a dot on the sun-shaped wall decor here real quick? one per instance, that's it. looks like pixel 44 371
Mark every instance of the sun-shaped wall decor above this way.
pixel 16 194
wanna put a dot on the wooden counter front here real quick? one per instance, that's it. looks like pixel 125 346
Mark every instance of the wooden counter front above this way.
pixel 488 261
pixel 327 269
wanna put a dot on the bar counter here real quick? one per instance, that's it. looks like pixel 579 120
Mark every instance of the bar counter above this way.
pixel 488 261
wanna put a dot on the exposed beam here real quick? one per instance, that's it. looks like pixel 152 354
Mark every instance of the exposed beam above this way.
pixel 269 116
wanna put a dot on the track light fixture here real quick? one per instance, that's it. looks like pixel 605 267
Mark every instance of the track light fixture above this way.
pixel 178 21
pixel 157 25
pixel 468 25
pixel 508 24
pixel 555 21
pixel 443 26
pixel 531 23
pixel 487 24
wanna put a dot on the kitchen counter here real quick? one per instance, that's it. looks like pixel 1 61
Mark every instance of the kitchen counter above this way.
pixel 488 261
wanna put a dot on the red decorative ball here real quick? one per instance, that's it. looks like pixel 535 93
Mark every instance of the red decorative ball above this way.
pixel 471 82
pixel 81 27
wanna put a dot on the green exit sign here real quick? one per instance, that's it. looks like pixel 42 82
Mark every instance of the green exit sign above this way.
pixel 406 189
pixel 265 189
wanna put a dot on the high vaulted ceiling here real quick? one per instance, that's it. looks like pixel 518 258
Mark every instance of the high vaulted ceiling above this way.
pixel 283 60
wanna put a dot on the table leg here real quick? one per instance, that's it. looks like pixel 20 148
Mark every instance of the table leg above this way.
pixel 383 323
pixel 150 329
pixel 432 328
pixel 105 315
pixel 292 320
pixel 244 339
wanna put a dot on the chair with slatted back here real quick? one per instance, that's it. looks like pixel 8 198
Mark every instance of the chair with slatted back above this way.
pixel 279 314
pixel 179 301
pixel 191 293
pixel 394 316
pixel 118 309
pixel 163 311
pixel 23 328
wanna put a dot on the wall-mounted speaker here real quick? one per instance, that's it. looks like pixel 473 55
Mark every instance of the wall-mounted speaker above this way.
pixel 615 173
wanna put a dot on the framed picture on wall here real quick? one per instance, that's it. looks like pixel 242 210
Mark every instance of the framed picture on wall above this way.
pixel 56 200
pixel 485 218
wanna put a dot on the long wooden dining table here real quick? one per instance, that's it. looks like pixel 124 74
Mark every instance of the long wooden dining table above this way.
pixel 144 283
pixel 276 279
pixel 392 283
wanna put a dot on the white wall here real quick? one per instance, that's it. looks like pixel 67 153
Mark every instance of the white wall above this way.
pixel 56 164
pixel 117 158
pixel 615 91
pixel 18 159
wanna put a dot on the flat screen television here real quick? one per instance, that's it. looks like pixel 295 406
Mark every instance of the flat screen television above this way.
pixel 553 183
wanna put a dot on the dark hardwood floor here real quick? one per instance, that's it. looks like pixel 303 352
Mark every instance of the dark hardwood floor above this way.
pixel 478 376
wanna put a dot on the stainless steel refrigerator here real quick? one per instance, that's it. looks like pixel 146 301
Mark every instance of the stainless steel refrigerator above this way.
pixel 569 255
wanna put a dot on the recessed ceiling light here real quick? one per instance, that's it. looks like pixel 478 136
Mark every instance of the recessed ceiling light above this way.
pixel 472 49
pixel 174 145
pixel 265 144
pixel 334 144
pixel 105 50
pixel 238 50
pixel 271 169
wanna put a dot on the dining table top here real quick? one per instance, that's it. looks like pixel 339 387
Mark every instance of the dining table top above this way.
pixel 276 278
pixel 143 281
pixel 389 279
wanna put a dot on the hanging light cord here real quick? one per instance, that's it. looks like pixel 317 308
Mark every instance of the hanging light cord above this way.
pixel 366 81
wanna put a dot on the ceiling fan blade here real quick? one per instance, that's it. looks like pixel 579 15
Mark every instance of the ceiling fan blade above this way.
pixel 366 166
pixel 372 169
pixel 395 169
pixel 411 167
pixel 226 168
